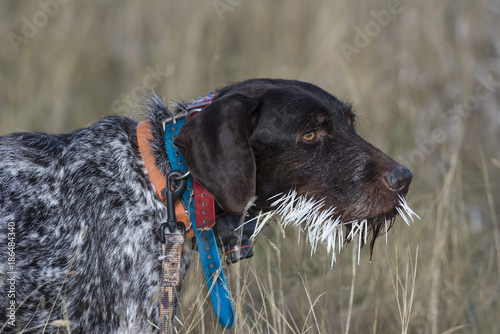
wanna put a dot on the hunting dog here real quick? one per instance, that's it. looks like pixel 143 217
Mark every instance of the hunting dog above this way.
pixel 79 215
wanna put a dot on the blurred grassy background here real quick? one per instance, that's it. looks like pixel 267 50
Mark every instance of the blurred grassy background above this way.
pixel 424 78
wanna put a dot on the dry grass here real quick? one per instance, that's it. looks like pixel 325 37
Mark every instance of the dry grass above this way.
pixel 408 82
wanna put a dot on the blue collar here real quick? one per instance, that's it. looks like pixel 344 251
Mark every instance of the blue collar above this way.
pixel 205 238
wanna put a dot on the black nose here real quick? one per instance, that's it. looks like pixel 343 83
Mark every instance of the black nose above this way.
pixel 399 178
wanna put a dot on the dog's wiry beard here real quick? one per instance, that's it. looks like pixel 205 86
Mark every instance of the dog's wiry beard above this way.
pixel 320 223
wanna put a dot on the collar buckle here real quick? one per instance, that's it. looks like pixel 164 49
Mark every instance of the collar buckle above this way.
pixel 194 107
pixel 173 118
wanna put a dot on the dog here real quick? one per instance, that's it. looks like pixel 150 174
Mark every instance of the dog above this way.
pixel 79 215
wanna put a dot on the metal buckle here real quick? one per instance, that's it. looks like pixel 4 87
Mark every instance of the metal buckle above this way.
pixel 194 107
pixel 173 118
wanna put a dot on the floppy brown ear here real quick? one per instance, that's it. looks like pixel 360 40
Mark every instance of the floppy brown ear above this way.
pixel 215 144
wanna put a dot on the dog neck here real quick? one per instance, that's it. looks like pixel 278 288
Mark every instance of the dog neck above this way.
pixel 201 214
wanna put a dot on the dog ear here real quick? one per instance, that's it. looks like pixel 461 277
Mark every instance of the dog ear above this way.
pixel 215 144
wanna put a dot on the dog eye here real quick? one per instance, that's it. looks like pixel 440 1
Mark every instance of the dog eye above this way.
pixel 309 135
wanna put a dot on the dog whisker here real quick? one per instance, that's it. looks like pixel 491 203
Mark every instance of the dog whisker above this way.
pixel 385 223
pixel 320 224
pixel 402 214
pixel 406 208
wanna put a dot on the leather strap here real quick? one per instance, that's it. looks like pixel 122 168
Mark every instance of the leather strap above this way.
pixel 171 264
pixel 204 206
pixel 144 138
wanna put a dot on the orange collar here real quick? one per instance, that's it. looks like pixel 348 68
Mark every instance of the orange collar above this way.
pixel 144 138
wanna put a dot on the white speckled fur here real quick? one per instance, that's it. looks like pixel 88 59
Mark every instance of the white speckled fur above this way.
pixel 53 188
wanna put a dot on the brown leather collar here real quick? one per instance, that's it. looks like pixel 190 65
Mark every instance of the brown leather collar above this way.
pixel 144 138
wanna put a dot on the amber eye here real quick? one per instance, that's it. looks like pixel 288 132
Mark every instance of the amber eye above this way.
pixel 309 135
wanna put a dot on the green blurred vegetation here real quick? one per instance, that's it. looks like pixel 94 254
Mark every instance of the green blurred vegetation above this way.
pixel 423 76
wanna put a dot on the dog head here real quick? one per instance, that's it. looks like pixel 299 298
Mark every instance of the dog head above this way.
pixel 263 137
